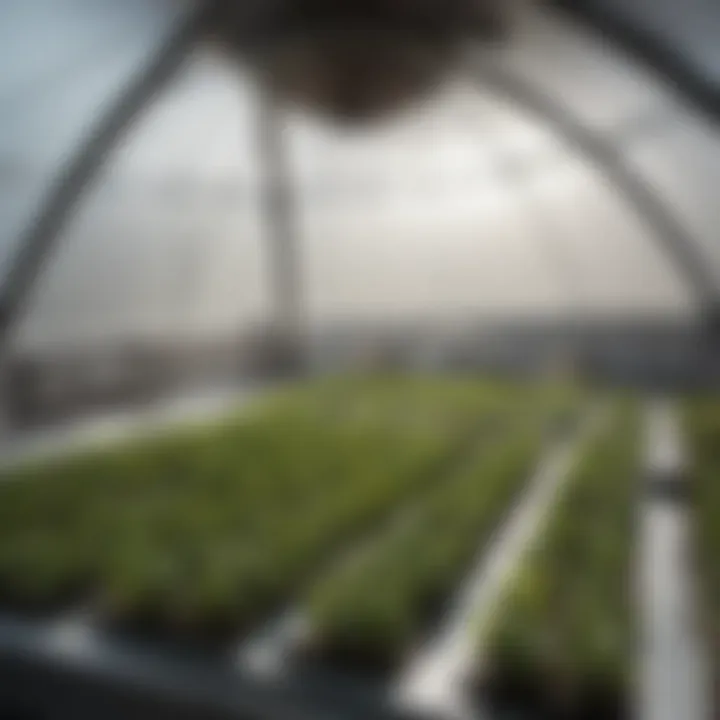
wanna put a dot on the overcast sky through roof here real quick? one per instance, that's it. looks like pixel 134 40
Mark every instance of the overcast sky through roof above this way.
pixel 462 205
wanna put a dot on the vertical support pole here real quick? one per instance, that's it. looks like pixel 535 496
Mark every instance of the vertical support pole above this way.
pixel 281 232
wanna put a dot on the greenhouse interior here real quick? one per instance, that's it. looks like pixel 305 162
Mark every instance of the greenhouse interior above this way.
pixel 359 359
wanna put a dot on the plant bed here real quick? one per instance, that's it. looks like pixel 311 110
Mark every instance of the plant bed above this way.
pixel 560 644
pixel 702 424
pixel 199 535
pixel 367 614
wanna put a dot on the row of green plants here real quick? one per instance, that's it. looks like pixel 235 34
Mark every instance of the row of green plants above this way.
pixel 560 642
pixel 203 532
pixel 703 432
pixel 367 612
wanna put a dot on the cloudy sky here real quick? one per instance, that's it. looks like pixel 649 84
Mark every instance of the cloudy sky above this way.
pixel 461 205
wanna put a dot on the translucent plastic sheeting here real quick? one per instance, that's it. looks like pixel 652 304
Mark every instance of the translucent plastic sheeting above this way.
pixel 63 63
pixel 167 244
pixel 462 206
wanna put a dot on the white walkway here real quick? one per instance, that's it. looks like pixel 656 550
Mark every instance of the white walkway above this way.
pixel 434 680
pixel 673 683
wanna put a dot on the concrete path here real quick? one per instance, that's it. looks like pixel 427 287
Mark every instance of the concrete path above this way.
pixel 433 681
pixel 673 681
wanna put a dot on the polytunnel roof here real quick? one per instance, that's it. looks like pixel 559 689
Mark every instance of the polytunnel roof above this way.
pixel 540 181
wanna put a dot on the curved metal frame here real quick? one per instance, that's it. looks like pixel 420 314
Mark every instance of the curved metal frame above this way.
pixel 668 232
pixel 40 239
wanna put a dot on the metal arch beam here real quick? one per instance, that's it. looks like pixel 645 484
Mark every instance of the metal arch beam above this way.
pixel 40 239
pixel 667 231
pixel 655 49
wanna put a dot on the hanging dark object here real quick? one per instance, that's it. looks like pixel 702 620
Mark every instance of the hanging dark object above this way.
pixel 349 60
pixel 359 59
pixel 486 19
pixel 356 73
